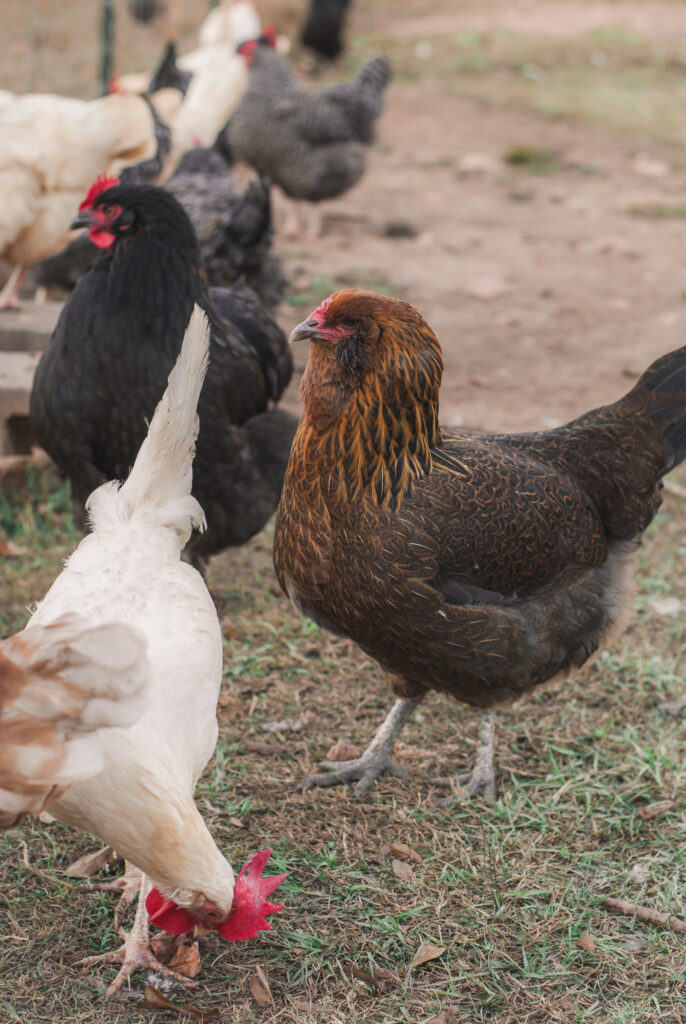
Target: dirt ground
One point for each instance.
(527, 192)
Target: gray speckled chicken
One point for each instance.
(312, 145)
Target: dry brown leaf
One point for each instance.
(587, 943)
(87, 865)
(657, 809)
(236, 822)
(255, 747)
(164, 946)
(229, 629)
(386, 980)
(259, 986)
(343, 750)
(156, 1000)
(186, 960)
(10, 550)
(402, 871)
(364, 976)
(446, 1017)
(403, 850)
(427, 951)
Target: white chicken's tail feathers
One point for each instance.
(158, 488)
(59, 684)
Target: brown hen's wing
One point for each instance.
(501, 523)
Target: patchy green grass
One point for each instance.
(659, 211)
(537, 159)
(507, 890)
(609, 77)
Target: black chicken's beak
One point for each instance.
(83, 219)
(308, 330)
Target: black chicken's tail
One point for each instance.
(665, 379)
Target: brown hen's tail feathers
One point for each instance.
(666, 380)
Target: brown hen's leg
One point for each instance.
(136, 950)
(376, 758)
(481, 779)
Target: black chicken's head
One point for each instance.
(113, 213)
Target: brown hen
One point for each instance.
(480, 566)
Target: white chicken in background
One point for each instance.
(129, 568)
(51, 148)
(59, 685)
(231, 21)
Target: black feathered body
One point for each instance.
(323, 25)
(105, 369)
(313, 145)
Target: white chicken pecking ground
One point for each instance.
(129, 569)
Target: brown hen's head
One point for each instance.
(369, 346)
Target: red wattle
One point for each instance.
(165, 914)
(103, 239)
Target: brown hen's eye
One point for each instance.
(109, 211)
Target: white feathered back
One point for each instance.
(158, 488)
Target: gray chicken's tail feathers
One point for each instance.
(158, 489)
(375, 73)
(666, 379)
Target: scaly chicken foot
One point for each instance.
(376, 758)
(129, 884)
(9, 296)
(481, 779)
(135, 952)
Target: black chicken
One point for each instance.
(312, 145)
(323, 25)
(480, 566)
(105, 369)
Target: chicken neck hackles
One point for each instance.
(477, 565)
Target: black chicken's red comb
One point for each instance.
(99, 185)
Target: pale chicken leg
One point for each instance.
(136, 951)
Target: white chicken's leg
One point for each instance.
(376, 758)
(481, 779)
(128, 884)
(292, 225)
(136, 950)
(9, 296)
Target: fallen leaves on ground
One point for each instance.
(186, 960)
(259, 986)
(446, 1017)
(587, 943)
(426, 952)
(402, 850)
(402, 870)
(343, 750)
(657, 809)
(156, 1000)
(87, 865)
(255, 747)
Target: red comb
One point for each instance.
(248, 913)
(98, 186)
(269, 34)
(250, 906)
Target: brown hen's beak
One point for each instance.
(308, 330)
(83, 219)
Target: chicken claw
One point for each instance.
(136, 951)
(481, 779)
(128, 884)
(366, 768)
(376, 758)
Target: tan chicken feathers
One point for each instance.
(59, 685)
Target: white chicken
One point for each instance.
(231, 21)
(60, 685)
(130, 568)
(51, 148)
